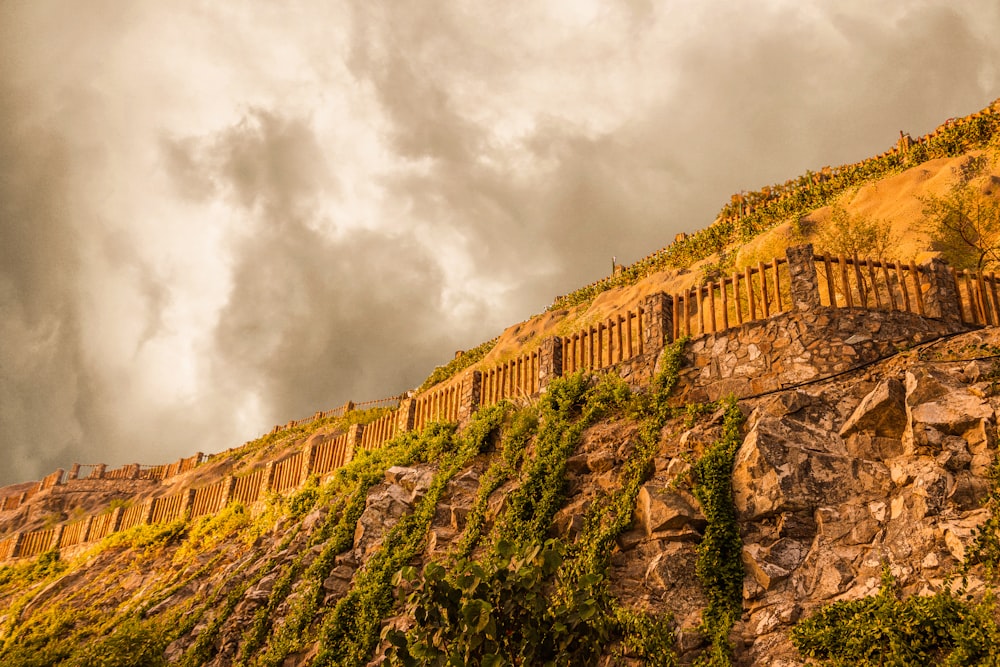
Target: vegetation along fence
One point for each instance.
(801, 280)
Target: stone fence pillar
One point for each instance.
(550, 362)
(15, 549)
(57, 536)
(407, 411)
(98, 472)
(354, 434)
(802, 271)
(227, 491)
(87, 524)
(187, 499)
(657, 322)
(468, 402)
(268, 480)
(941, 298)
(74, 472)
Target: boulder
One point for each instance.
(658, 509)
(938, 405)
(882, 412)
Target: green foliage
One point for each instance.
(856, 235)
(569, 405)
(145, 538)
(28, 572)
(209, 530)
(499, 614)
(304, 500)
(719, 565)
(964, 223)
(351, 630)
(884, 629)
(132, 643)
(503, 468)
(525, 602)
(458, 364)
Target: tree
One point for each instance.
(860, 235)
(964, 223)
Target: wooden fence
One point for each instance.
(850, 282)
(380, 430)
(437, 404)
(331, 454)
(978, 302)
(517, 377)
(758, 293)
(612, 341)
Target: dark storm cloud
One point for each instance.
(528, 143)
(41, 368)
(313, 318)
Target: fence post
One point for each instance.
(802, 276)
(147, 515)
(468, 402)
(308, 461)
(407, 412)
(550, 362)
(354, 434)
(74, 471)
(116, 519)
(657, 322)
(57, 536)
(15, 550)
(227, 493)
(133, 471)
(268, 481)
(85, 533)
(186, 500)
(941, 298)
(98, 472)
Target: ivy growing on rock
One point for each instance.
(719, 565)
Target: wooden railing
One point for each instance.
(978, 302)
(517, 377)
(758, 293)
(850, 282)
(380, 430)
(609, 342)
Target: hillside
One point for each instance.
(765, 456)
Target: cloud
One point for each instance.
(313, 317)
(214, 219)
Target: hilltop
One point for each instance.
(742, 449)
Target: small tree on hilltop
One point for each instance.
(860, 235)
(964, 223)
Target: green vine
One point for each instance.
(350, 632)
(719, 565)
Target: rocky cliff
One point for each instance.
(884, 473)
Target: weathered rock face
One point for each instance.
(889, 465)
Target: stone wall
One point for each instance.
(796, 347)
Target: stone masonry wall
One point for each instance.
(796, 347)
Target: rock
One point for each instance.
(765, 573)
(938, 406)
(383, 508)
(969, 492)
(882, 412)
(786, 466)
(658, 510)
(671, 567)
(415, 481)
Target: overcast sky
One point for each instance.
(218, 216)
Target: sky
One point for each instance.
(217, 217)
